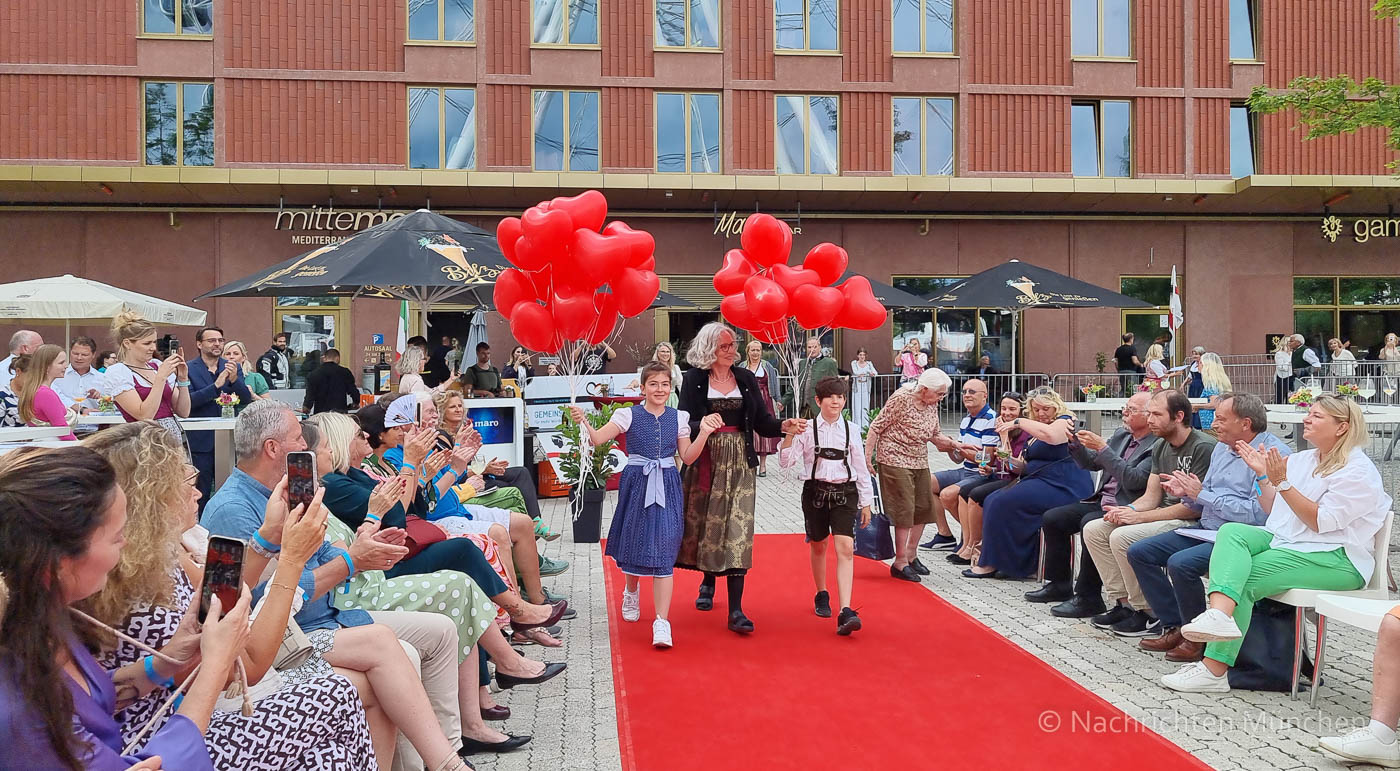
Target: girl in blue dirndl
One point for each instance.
(645, 535)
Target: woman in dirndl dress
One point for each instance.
(719, 486)
(767, 376)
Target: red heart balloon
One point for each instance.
(737, 269)
(605, 304)
(512, 287)
(648, 264)
(766, 239)
(790, 279)
(829, 261)
(531, 254)
(766, 299)
(573, 316)
(735, 310)
(860, 310)
(816, 306)
(507, 231)
(643, 245)
(588, 209)
(533, 327)
(553, 226)
(598, 257)
(776, 334)
(636, 291)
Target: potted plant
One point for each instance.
(592, 477)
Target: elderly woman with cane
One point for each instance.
(719, 487)
(898, 441)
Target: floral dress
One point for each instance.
(315, 721)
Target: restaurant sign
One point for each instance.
(732, 224)
(1362, 229)
(343, 221)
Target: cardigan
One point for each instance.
(695, 384)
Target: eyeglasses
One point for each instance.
(1014, 395)
(192, 477)
(971, 392)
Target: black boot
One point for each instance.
(738, 622)
(706, 599)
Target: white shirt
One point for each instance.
(1283, 363)
(1343, 363)
(73, 387)
(5, 375)
(119, 378)
(832, 435)
(1351, 505)
(623, 420)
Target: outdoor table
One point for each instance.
(101, 419)
(223, 442)
(26, 433)
(11, 446)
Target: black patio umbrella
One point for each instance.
(1016, 286)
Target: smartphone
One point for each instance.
(301, 478)
(174, 345)
(223, 574)
(418, 413)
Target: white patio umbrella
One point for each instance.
(83, 301)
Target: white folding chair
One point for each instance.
(1355, 611)
(1302, 599)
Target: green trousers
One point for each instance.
(1245, 569)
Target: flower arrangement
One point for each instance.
(1350, 390)
(106, 405)
(227, 401)
(1148, 386)
(1303, 398)
(1091, 392)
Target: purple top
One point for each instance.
(178, 742)
(121, 378)
(49, 410)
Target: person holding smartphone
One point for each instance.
(143, 387)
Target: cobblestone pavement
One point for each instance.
(574, 722)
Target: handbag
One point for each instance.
(875, 541)
(1265, 660)
(421, 534)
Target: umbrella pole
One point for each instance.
(1014, 316)
(67, 334)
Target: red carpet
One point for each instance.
(796, 696)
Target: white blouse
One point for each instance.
(1351, 505)
(121, 378)
(623, 420)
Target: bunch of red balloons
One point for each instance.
(761, 292)
(573, 277)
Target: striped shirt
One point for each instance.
(979, 429)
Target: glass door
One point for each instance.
(313, 325)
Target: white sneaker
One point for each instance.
(1196, 678)
(631, 605)
(661, 633)
(1211, 626)
(1363, 746)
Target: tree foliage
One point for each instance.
(1339, 104)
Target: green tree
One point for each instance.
(161, 123)
(1338, 104)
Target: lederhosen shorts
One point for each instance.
(829, 508)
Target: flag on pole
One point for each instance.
(1175, 318)
(401, 344)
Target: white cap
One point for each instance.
(934, 377)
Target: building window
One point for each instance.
(442, 21)
(1242, 23)
(313, 325)
(1148, 325)
(807, 135)
(1355, 309)
(566, 130)
(805, 25)
(1101, 139)
(179, 124)
(923, 135)
(687, 133)
(177, 17)
(687, 23)
(441, 128)
(923, 26)
(955, 339)
(565, 22)
(1101, 28)
(1241, 141)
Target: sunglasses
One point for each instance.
(1014, 395)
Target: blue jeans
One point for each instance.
(1169, 569)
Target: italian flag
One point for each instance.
(402, 342)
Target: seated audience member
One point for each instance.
(481, 378)
(1169, 566)
(1125, 460)
(1180, 448)
(61, 534)
(1012, 515)
(314, 718)
(1325, 506)
(22, 342)
(81, 384)
(993, 476)
(977, 433)
(1375, 743)
(39, 404)
(9, 405)
(351, 639)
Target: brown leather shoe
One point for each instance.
(1170, 638)
(1187, 652)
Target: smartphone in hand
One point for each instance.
(223, 574)
(301, 478)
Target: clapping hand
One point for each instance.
(497, 467)
(1182, 484)
(469, 439)
(435, 462)
(1276, 466)
(711, 423)
(376, 551)
(1255, 459)
(385, 495)
(418, 444)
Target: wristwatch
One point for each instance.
(1284, 485)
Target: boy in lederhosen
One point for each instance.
(837, 482)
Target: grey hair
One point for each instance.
(1250, 407)
(932, 378)
(1301, 340)
(258, 422)
(22, 338)
(701, 352)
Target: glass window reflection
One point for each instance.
(908, 136)
(670, 133)
(1084, 140)
(549, 130)
(1117, 139)
(1241, 142)
(197, 115)
(583, 131)
(423, 145)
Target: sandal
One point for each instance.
(536, 636)
(543, 532)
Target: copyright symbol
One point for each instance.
(1049, 721)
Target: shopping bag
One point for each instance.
(1265, 660)
(874, 540)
